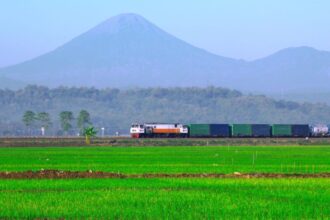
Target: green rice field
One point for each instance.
(167, 198)
(247, 159)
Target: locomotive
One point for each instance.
(159, 130)
(179, 130)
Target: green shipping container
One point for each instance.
(199, 130)
(241, 130)
(280, 130)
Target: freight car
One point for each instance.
(162, 130)
(209, 130)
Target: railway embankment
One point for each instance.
(130, 142)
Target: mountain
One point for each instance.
(124, 51)
(129, 51)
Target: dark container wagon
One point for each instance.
(261, 130)
(220, 130)
(300, 131)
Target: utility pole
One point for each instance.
(102, 132)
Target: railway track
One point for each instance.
(127, 141)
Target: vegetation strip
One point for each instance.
(58, 174)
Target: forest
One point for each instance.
(115, 109)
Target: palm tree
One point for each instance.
(89, 132)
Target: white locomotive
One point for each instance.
(149, 130)
(319, 130)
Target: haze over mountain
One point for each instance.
(129, 51)
(10, 83)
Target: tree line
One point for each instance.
(116, 109)
(43, 121)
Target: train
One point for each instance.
(179, 130)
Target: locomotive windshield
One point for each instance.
(137, 126)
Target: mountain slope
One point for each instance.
(292, 69)
(6, 83)
(124, 51)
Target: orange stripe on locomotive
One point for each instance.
(166, 130)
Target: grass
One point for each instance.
(186, 198)
(245, 159)
(166, 198)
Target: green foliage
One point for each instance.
(83, 119)
(116, 109)
(66, 118)
(90, 131)
(29, 118)
(44, 119)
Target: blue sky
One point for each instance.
(239, 29)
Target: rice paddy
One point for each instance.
(167, 197)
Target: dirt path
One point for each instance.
(57, 174)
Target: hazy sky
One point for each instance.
(244, 29)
